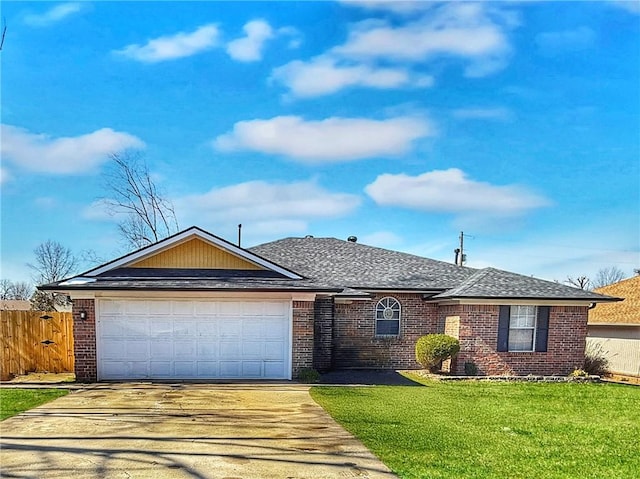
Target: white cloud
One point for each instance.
(249, 48)
(323, 75)
(170, 47)
(450, 191)
(471, 31)
(631, 6)
(53, 15)
(65, 155)
(4, 176)
(331, 140)
(266, 207)
(497, 113)
(577, 39)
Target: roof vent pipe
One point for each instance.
(457, 257)
(352, 239)
(239, 235)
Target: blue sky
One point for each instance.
(399, 123)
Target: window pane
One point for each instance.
(520, 339)
(385, 327)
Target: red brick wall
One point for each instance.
(302, 354)
(479, 337)
(355, 343)
(84, 341)
(323, 333)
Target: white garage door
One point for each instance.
(162, 339)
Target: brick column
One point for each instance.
(302, 336)
(84, 341)
(323, 334)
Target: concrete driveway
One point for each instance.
(183, 431)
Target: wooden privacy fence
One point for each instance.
(33, 341)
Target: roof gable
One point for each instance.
(195, 253)
(193, 248)
(491, 283)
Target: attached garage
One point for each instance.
(193, 339)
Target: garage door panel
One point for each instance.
(158, 308)
(251, 369)
(112, 327)
(230, 350)
(274, 369)
(161, 369)
(208, 369)
(252, 350)
(173, 339)
(206, 308)
(111, 307)
(161, 349)
(207, 328)
(274, 328)
(186, 369)
(135, 327)
(252, 328)
(230, 329)
(136, 350)
(182, 308)
(274, 350)
(113, 349)
(184, 349)
(207, 350)
(136, 308)
(230, 369)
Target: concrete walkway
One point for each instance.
(156, 431)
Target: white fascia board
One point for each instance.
(185, 236)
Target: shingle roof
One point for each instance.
(495, 283)
(164, 279)
(625, 312)
(353, 265)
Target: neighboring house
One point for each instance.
(614, 329)
(194, 306)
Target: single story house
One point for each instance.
(194, 306)
(614, 329)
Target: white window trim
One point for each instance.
(376, 319)
(535, 330)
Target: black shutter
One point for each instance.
(503, 328)
(542, 328)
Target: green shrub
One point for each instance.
(432, 349)
(470, 368)
(595, 360)
(308, 375)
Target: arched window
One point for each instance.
(388, 317)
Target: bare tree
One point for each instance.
(22, 290)
(607, 276)
(148, 215)
(581, 282)
(53, 262)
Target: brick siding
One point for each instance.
(355, 343)
(303, 329)
(478, 335)
(323, 333)
(84, 341)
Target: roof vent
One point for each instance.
(309, 236)
(352, 239)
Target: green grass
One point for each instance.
(494, 430)
(15, 401)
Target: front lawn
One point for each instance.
(494, 430)
(15, 401)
